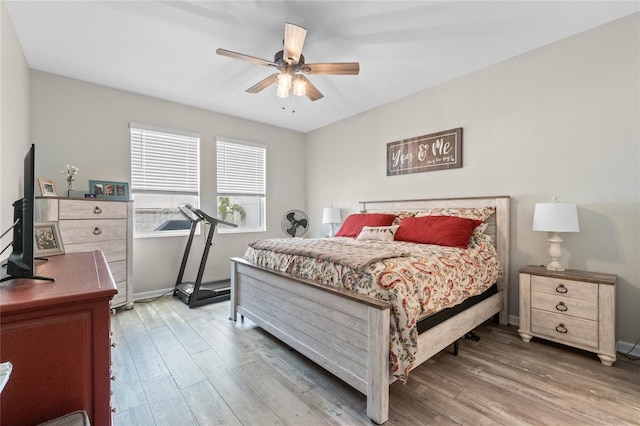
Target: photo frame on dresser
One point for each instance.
(47, 188)
(109, 190)
(47, 239)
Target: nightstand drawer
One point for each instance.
(585, 291)
(565, 329)
(561, 305)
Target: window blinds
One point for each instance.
(241, 168)
(163, 162)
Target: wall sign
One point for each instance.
(437, 151)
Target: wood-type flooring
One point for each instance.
(180, 366)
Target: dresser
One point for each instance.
(575, 308)
(57, 337)
(88, 224)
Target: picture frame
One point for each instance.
(109, 189)
(436, 151)
(47, 188)
(47, 239)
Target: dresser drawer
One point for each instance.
(587, 292)
(82, 209)
(121, 296)
(565, 329)
(561, 305)
(113, 250)
(87, 231)
(118, 270)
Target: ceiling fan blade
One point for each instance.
(244, 57)
(311, 91)
(293, 42)
(336, 68)
(263, 84)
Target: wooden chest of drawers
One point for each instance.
(576, 308)
(96, 224)
(56, 335)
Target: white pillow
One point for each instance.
(378, 233)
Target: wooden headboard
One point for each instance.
(497, 229)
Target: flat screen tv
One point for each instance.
(20, 262)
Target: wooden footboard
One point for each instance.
(343, 332)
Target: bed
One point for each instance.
(348, 333)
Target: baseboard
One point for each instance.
(514, 320)
(151, 294)
(624, 347)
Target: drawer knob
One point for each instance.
(562, 307)
(113, 376)
(560, 328)
(114, 344)
(97, 231)
(97, 210)
(561, 289)
(113, 409)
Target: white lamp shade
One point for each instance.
(556, 217)
(331, 215)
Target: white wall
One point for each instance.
(562, 120)
(14, 120)
(86, 125)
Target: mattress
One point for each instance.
(418, 279)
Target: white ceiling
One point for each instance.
(167, 49)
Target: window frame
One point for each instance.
(262, 196)
(190, 190)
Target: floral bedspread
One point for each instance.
(432, 278)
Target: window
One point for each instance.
(241, 185)
(164, 173)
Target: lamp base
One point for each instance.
(555, 252)
(555, 266)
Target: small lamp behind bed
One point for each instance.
(554, 218)
(331, 215)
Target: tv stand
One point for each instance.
(34, 277)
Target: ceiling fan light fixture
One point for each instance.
(290, 63)
(282, 91)
(284, 81)
(299, 87)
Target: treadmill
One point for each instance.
(198, 293)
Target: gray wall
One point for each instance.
(74, 122)
(14, 120)
(562, 120)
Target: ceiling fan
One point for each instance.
(291, 66)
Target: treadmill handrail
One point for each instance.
(202, 216)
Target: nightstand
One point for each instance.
(575, 308)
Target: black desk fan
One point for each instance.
(197, 293)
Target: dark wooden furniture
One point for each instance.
(56, 335)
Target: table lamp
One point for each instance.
(555, 218)
(331, 215)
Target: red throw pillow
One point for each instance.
(353, 223)
(447, 231)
